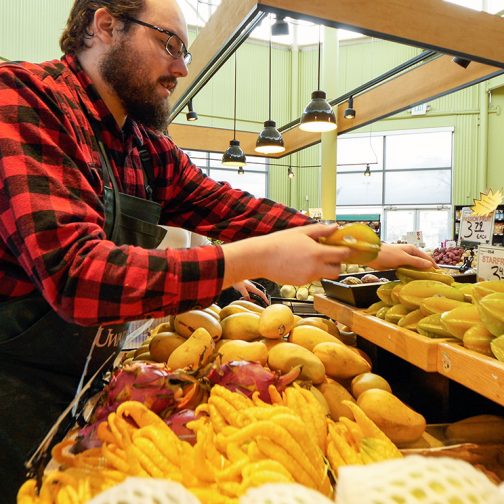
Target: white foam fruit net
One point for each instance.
(283, 493)
(146, 491)
(416, 479)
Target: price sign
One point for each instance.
(490, 263)
(476, 228)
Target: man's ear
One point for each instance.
(105, 25)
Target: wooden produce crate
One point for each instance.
(484, 375)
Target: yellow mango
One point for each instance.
(366, 381)
(231, 310)
(236, 350)
(313, 321)
(334, 394)
(163, 344)
(340, 361)
(332, 326)
(248, 304)
(460, 319)
(186, 323)
(194, 352)
(166, 326)
(275, 321)
(241, 326)
(310, 336)
(286, 356)
(477, 429)
(396, 419)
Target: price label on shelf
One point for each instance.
(490, 263)
(476, 228)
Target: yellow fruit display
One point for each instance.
(438, 304)
(241, 326)
(396, 313)
(194, 352)
(309, 336)
(334, 393)
(313, 321)
(397, 420)
(366, 381)
(409, 274)
(384, 292)
(361, 239)
(431, 327)
(477, 429)
(482, 289)
(340, 361)
(285, 356)
(186, 323)
(163, 344)
(478, 338)
(460, 319)
(275, 321)
(491, 310)
(411, 319)
(247, 304)
(413, 293)
(231, 310)
(252, 351)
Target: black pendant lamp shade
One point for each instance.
(367, 171)
(191, 114)
(318, 116)
(234, 155)
(270, 140)
(349, 111)
(280, 26)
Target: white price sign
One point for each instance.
(490, 263)
(476, 228)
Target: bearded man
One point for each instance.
(86, 174)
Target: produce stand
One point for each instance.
(448, 358)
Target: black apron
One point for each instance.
(43, 358)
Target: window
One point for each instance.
(254, 180)
(407, 168)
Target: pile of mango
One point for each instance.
(434, 305)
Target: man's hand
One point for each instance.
(393, 256)
(290, 256)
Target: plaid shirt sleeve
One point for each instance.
(52, 218)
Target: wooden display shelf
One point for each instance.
(484, 375)
(408, 345)
(340, 312)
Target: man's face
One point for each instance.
(141, 73)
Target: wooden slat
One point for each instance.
(340, 312)
(475, 371)
(431, 24)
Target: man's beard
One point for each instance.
(122, 69)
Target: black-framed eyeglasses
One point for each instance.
(174, 46)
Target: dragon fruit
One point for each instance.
(247, 377)
(178, 424)
(151, 384)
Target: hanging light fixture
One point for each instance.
(234, 155)
(350, 111)
(318, 116)
(367, 171)
(280, 26)
(463, 62)
(270, 140)
(290, 173)
(241, 171)
(191, 114)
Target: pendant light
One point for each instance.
(191, 114)
(290, 173)
(234, 155)
(318, 116)
(349, 111)
(270, 140)
(367, 171)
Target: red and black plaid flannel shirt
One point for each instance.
(51, 213)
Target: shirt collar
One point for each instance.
(97, 107)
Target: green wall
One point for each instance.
(30, 29)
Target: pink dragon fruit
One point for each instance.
(178, 424)
(151, 384)
(247, 377)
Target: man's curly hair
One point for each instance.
(77, 31)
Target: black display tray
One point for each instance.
(360, 295)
